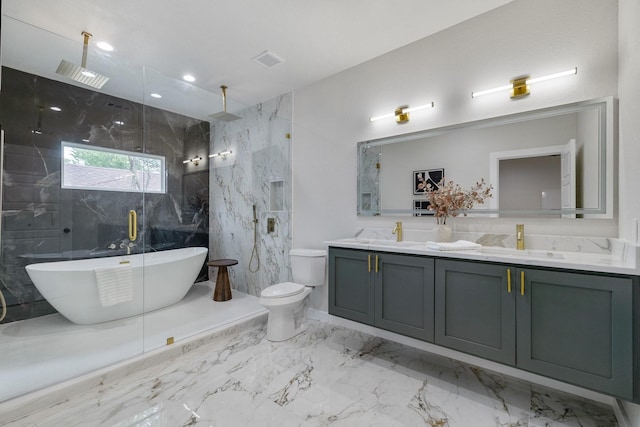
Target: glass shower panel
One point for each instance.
(177, 128)
(75, 171)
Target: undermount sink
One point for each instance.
(486, 250)
(380, 242)
(394, 243)
(525, 253)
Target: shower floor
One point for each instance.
(47, 350)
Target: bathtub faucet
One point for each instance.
(126, 243)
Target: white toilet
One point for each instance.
(286, 301)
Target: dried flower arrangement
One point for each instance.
(449, 199)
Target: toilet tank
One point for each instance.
(308, 266)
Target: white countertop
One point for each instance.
(619, 262)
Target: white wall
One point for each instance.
(522, 37)
(629, 106)
(629, 175)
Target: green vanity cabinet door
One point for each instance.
(475, 309)
(577, 328)
(404, 295)
(351, 290)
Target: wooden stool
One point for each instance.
(223, 286)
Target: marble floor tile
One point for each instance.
(46, 350)
(328, 375)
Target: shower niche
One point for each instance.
(276, 195)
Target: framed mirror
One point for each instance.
(555, 162)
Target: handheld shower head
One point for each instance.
(254, 251)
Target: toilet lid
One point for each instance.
(282, 290)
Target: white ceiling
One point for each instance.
(216, 40)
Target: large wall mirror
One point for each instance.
(554, 162)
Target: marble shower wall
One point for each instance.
(258, 172)
(42, 222)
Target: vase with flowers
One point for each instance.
(448, 199)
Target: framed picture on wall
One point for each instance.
(424, 177)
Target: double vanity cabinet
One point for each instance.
(569, 325)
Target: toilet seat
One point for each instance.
(282, 290)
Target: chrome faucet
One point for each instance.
(520, 236)
(398, 231)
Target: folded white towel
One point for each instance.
(115, 284)
(458, 245)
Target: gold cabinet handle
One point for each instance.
(509, 280)
(133, 225)
(522, 283)
(376, 263)
(369, 263)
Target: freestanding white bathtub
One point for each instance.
(158, 279)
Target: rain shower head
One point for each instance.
(80, 73)
(223, 115)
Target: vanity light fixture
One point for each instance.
(222, 153)
(520, 85)
(402, 113)
(196, 160)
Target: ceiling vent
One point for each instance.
(268, 59)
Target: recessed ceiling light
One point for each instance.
(156, 95)
(55, 108)
(105, 46)
(189, 78)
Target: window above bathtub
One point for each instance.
(96, 168)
